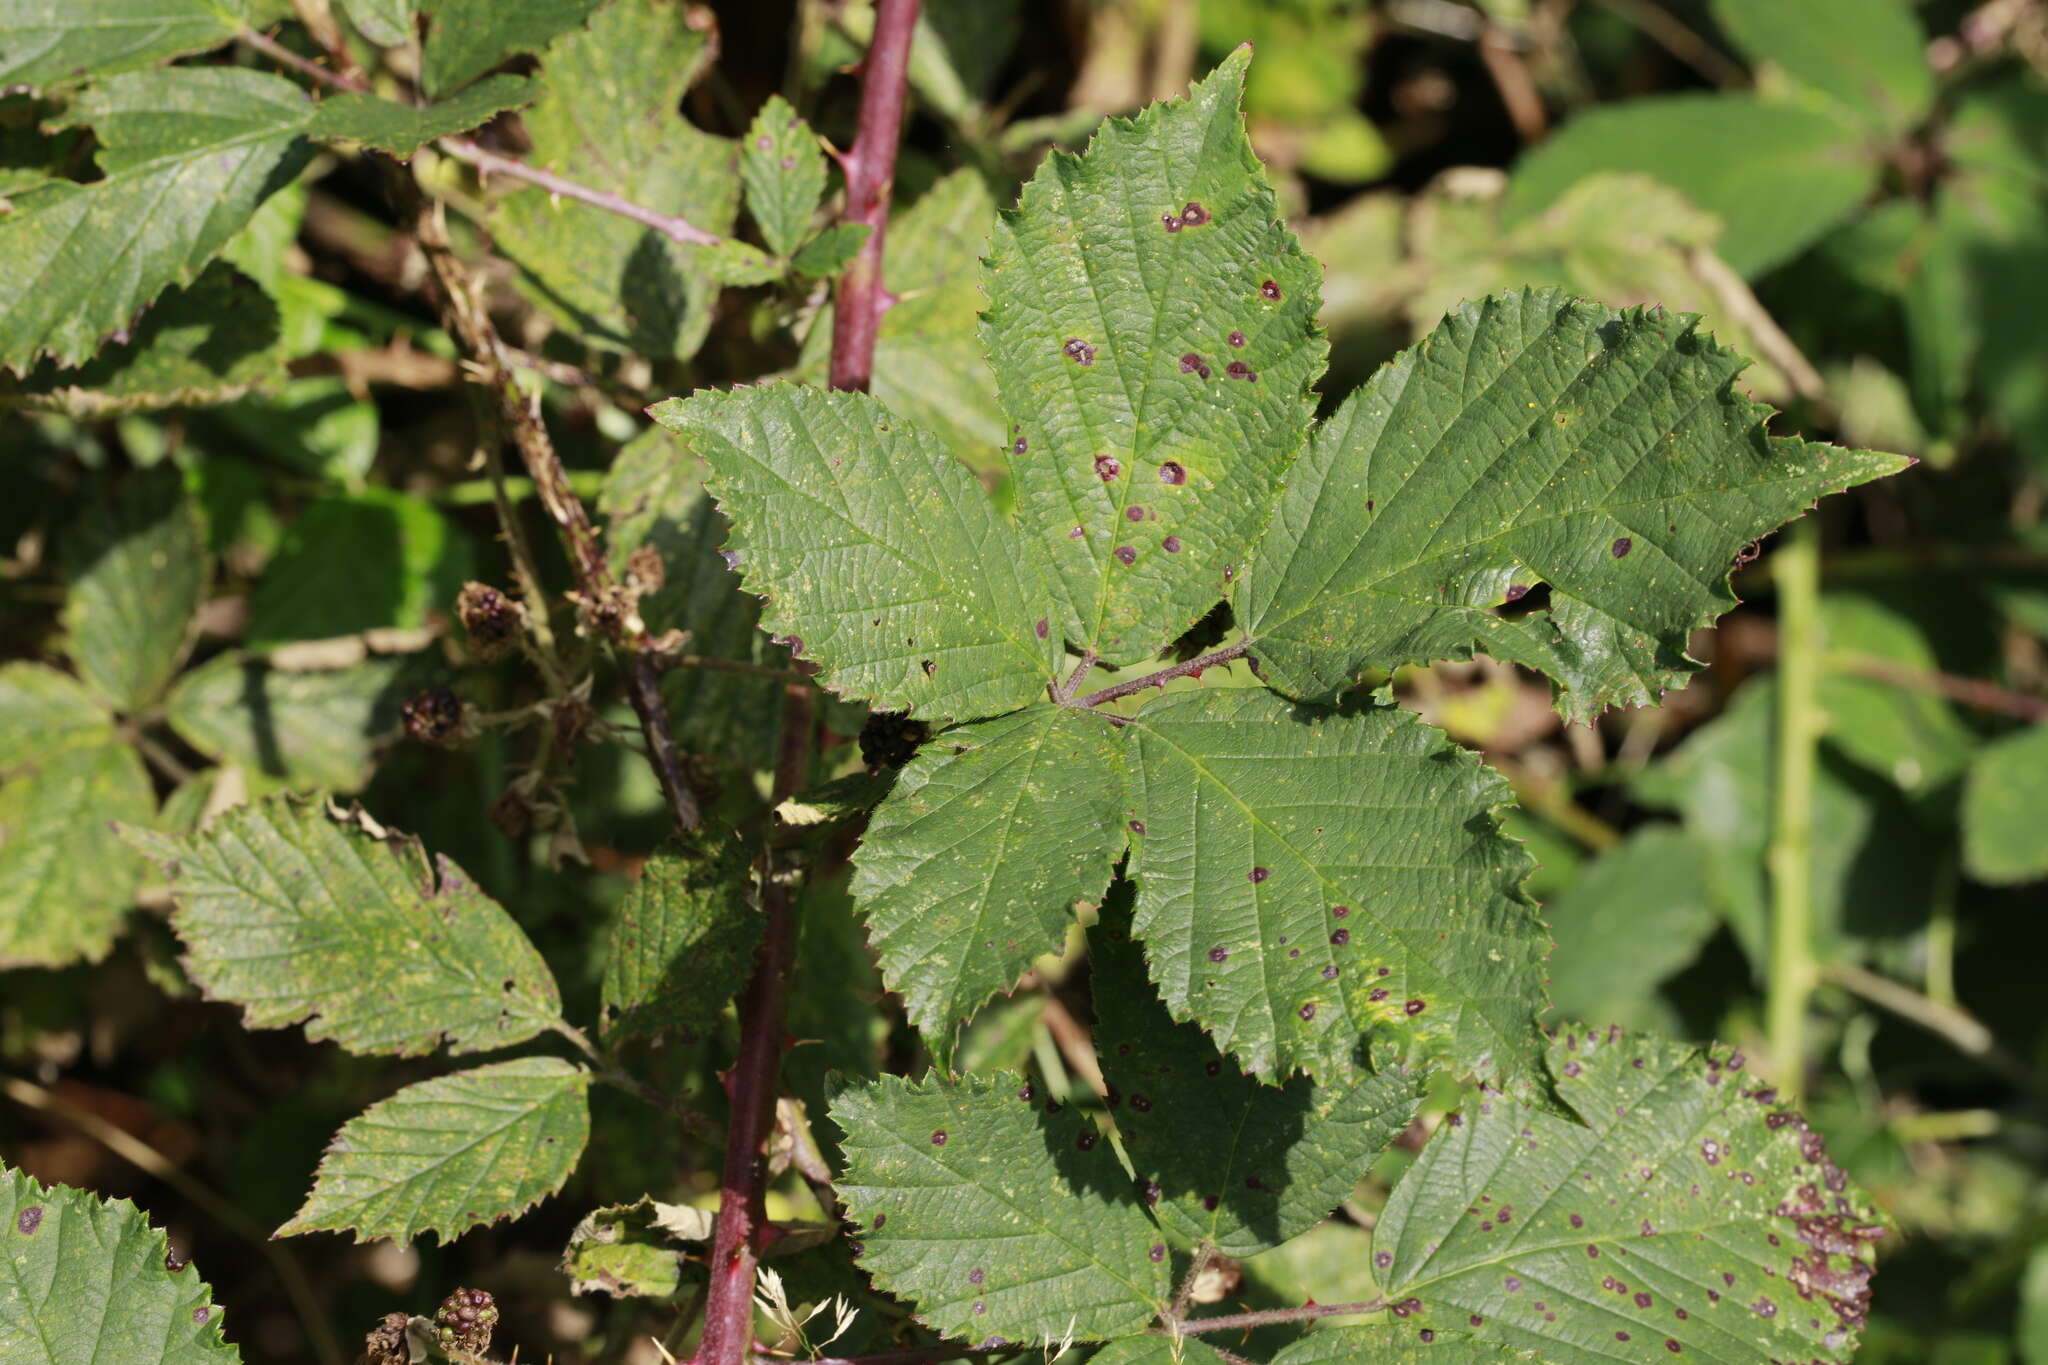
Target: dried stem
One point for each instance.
(1166, 675)
(870, 176)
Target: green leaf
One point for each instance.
(880, 557)
(1681, 1190)
(1869, 56)
(452, 1153)
(65, 881)
(387, 23)
(654, 495)
(1531, 439)
(2004, 842)
(137, 566)
(188, 155)
(972, 864)
(303, 915)
(1141, 482)
(313, 424)
(358, 562)
(1634, 916)
(49, 42)
(826, 254)
(607, 118)
(996, 1220)
(466, 38)
(43, 713)
(1391, 1344)
(683, 940)
(306, 730)
(735, 263)
(783, 169)
(1224, 1160)
(1778, 176)
(1278, 843)
(88, 1284)
(628, 1250)
(206, 342)
(400, 129)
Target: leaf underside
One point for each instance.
(299, 915)
(451, 1153)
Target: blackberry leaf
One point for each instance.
(683, 940)
(1152, 329)
(1531, 438)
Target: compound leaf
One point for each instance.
(1223, 1159)
(43, 713)
(89, 1281)
(683, 940)
(65, 880)
(1151, 325)
(877, 554)
(1275, 844)
(994, 1217)
(299, 915)
(137, 565)
(783, 169)
(1531, 439)
(1777, 175)
(973, 862)
(607, 117)
(449, 1154)
(1684, 1214)
(45, 42)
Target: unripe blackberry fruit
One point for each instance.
(492, 620)
(432, 717)
(890, 738)
(464, 1321)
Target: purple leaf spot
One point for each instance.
(939, 1138)
(29, 1219)
(1107, 467)
(1270, 290)
(1194, 215)
(1126, 556)
(1172, 473)
(1219, 954)
(1171, 545)
(1237, 340)
(1620, 548)
(1414, 1007)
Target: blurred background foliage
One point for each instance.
(230, 554)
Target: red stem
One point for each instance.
(1166, 675)
(870, 175)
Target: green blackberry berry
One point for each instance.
(464, 1321)
(890, 738)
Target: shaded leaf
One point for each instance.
(1223, 1159)
(466, 38)
(826, 255)
(304, 730)
(1777, 175)
(45, 42)
(783, 169)
(993, 1218)
(1868, 56)
(1635, 915)
(301, 915)
(43, 713)
(87, 1284)
(356, 562)
(65, 881)
(971, 865)
(1101, 319)
(683, 940)
(206, 342)
(400, 129)
(607, 118)
(1685, 1207)
(654, 495)
(449, 1154)
(1280, 842)
(2004, 839)
(137, 565)
(880, 557)
(1531, 439)
(387, 23)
